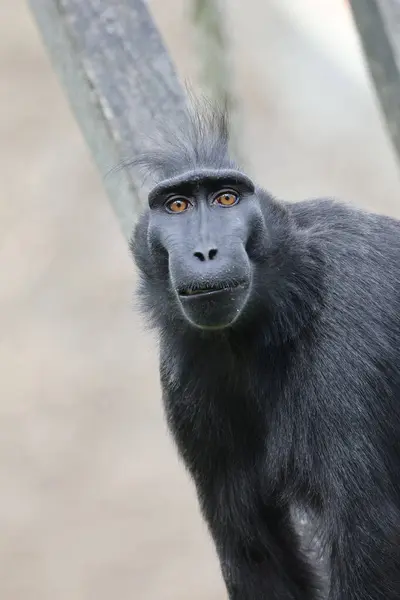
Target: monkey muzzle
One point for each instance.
(213, 306)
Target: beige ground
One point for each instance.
(94, 504)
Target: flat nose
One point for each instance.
(209, 254)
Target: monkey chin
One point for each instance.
(215, 310)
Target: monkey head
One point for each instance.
(214, 251)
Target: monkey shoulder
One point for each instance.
(331, 215)
(361, 254)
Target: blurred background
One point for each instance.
(94, 503)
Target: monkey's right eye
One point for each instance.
(177, 205)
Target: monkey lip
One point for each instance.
(208, 292)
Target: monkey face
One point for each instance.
(201, 225)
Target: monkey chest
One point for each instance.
(238, 453)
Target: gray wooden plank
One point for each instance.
(119, 80)
(378, 25)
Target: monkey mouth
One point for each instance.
(211, 290)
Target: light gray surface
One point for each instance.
(94, 504)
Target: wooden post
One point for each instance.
(378, 24)
(119, 80)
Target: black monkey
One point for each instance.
(279, 331)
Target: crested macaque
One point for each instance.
(279, 340)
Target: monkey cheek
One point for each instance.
(218, 311)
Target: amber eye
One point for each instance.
(177, 205)
(226, 199)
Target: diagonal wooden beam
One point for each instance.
(378, 25)
(119, 80)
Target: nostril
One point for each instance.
(211, 254)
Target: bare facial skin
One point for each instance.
(204, 225)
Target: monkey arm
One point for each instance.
(258, 548)
(266, 563)
(365, 551)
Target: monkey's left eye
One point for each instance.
(227, 198)
(177, 205)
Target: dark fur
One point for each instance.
(299, 401)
